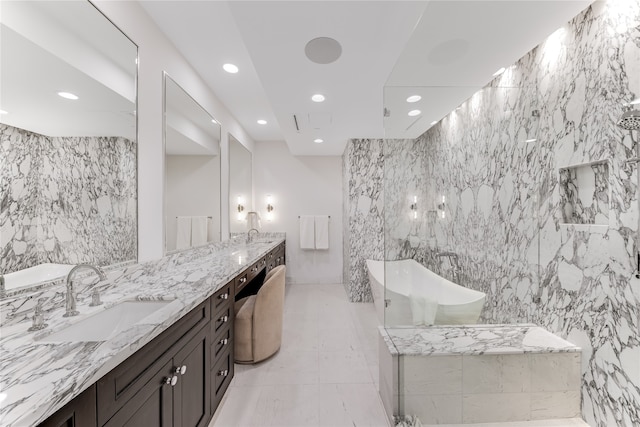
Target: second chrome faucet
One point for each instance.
(70, 297)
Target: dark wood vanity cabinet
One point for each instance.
(81, 411)
(276, 257)
(179, 378)
(166, 383)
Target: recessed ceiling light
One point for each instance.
(68, 95)
(434, 122)
(318, 141)
(230, 68)
(262, 122)
(413, 113)
(414, 98)
(3, 112)
(317, 97)
(500, 71)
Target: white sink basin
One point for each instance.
(106, 324)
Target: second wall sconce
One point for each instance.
(269, 207)
(441, 207)
(414, 207)
(240, 207)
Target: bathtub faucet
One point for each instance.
(453, 260)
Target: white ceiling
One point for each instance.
(451, 51)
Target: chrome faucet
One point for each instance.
(249, 239)
(70, 297)
(3, 290)
(453, 260)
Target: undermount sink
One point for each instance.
(107, 323)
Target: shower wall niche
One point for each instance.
(585, 194)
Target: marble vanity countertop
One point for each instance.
(37, 377)
(474, 340)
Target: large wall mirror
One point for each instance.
(192, 171)
(240, 185)
(68, 153)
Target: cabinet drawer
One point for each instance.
(223, 319)
(221, 376)
(125, 380)
(221, 297)
(241, 281)
(221, 343)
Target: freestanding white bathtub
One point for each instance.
(37, 274)
(419, 296)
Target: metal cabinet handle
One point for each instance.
(224, 341)
(224, 319)
(172, 380)
(244, 279)
(224, 296)
(180, 369)
(223, 373)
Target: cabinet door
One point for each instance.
(151, 406)
(81, 411)
(192, 392)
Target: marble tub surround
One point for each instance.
(85, 211)
(476, 340)
(483, 373)
(39, 377)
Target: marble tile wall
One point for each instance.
(363, 213)
(497, 162)
(66, 199)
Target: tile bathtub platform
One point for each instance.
(478, 374)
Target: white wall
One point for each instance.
(155, 55)
(192, 189)
(301, 186)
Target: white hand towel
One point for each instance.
(322, 231)
(183, 230)
(307, 232)
(198, 230)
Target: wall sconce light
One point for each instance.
(414, 207)
(269, 207)
(441, 207)
(240, 207)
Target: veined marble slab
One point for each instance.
(38, 378)
(474, 340)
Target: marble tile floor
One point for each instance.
(325, 374)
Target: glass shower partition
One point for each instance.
(461, 200)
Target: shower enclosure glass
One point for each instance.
(461, 202)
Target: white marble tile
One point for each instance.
(338, 367)
(495, 374)
(558, 404)
(350, 405)
(555, 372)
(496, 407)
(431, 375)
(434, 408)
